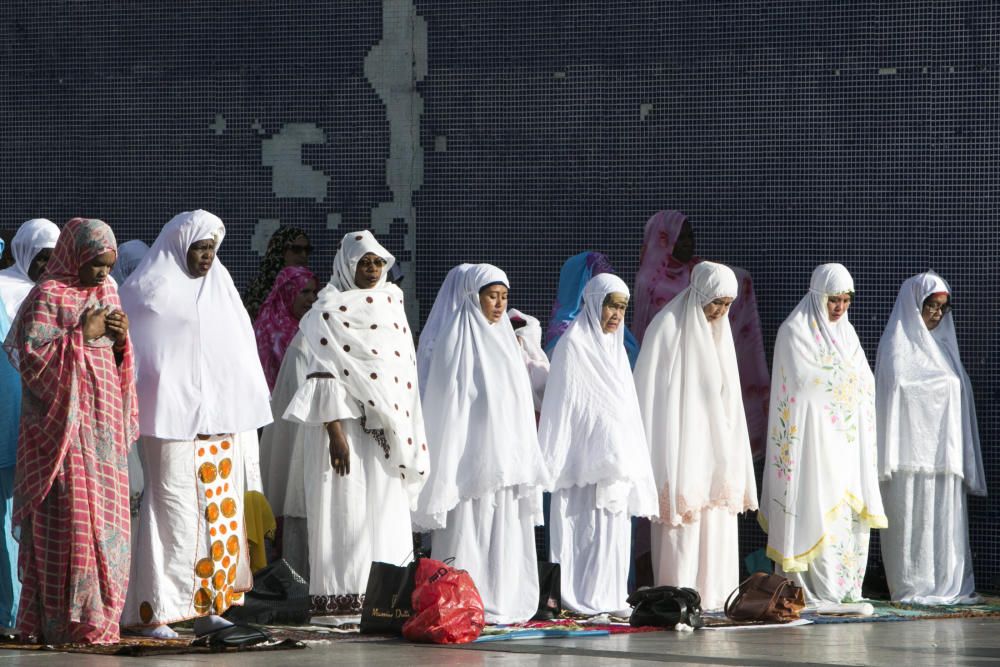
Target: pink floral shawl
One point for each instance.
(276, 325)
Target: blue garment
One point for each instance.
(10, 415)
(10, 404)
(10, 584)
(573, 277)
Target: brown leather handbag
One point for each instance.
(769, 598)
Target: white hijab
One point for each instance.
(821, 444)
(197, 366)
(31, 237)
(361, 337)
(477, 403)
(590, 429)
(689, 392)
(924, 402)
(536, 361)
(130, 254)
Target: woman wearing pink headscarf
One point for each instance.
(70, 345)
(277, 322)
(664, 271)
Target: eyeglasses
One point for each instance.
(931, 308)
(299, 248)
(366, 263)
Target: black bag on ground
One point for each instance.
(279, 596)
(388, 599)
(549, 592)
(665, 607)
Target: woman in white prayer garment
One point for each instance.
(353, 427)
(928, 445)
(202, 397)
(593, 441)
(484, 492)
(820, 496)
(31, 247)
(691, 401)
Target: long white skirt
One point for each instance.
(704, 555)
(352, 520)
(926, 546)
(190, 556)
(493, 539)
(836, 574)
(592, 547)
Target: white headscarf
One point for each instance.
(821, 444)
(353, 247)
(31, 237)
(477, 401)
(130, 254)
(689, 392)
(536, 361)
(198, 369)
(361, 337)
(590, 430)
(925, 407)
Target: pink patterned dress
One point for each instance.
(71, 496)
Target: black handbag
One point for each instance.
(549, 592)
(279, 596)
(665, 607)
(388, 602)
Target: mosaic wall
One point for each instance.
(520, 132)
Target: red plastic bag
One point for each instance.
(447, 608)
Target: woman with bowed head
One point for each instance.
(288, 246)
(202, 397)
(484, 492)
(692, 410)
(665, 267)
(593, 442)
(928, 445)
(820, 494)
(293, 294)
(71, 347)
(361, 455)
(31, 247)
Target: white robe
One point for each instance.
(929, 452)
(483, 494)
(591, 436)
(359, 340)
(688, 385)
(190, 554)
(820, 494)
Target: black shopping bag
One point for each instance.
(388, 596)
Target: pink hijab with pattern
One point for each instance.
(276, 324)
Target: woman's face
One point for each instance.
(200, 256)
(613, 312)
(493, 301)
(936, 306)
(368, 271)
(96, 270)
(37, 265)
(684, 247)
(297, 252)
(837, 305)
(304, 300)
(717, 308)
